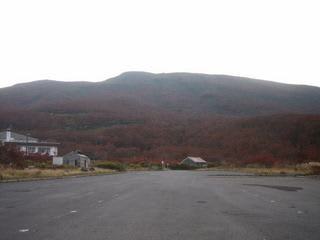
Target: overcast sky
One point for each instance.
(91, 40)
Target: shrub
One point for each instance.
(64, 166)
(134, 165)
(214, 164)
(315, 170)
(38, 158)
(144, 164)
(265, 160)
(182, 167)
(9, 156)
(42, 165)
(110, 165)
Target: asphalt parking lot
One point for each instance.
(162, 205)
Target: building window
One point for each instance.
(31, 149)
(44, 150)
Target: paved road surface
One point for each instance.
(169, 205)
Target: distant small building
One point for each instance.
(195, 162)
(76, 158)
(27, 144)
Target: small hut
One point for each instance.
(195, 162)
(76, 158)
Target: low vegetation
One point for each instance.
(15, 165)
(38, 173)
(297, 170)
(10, 157)
(182, 167)
(110, 165)
(315, 170)
(144, 166)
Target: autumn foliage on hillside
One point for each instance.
(145, 117)
(264, 140)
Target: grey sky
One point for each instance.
(91, 40)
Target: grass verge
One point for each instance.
(19, 174)
(266, 171)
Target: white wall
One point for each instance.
(57, 160)
(53, 150)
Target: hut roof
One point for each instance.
(197, 159)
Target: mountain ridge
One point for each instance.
(186, 92)
(139, 73)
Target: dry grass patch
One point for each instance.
(276, 171)
(12, 174)
(266, 171)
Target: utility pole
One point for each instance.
(27, 140)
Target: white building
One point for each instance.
(28, 144)
(195, 162)
(75, 158)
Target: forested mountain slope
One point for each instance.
(145, 116)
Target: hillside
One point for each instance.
(144, 116)
(182, 92)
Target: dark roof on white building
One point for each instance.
(75, 153)
(17, 137)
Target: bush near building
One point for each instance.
(12, 158)
(181, 167)
(111, 165)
